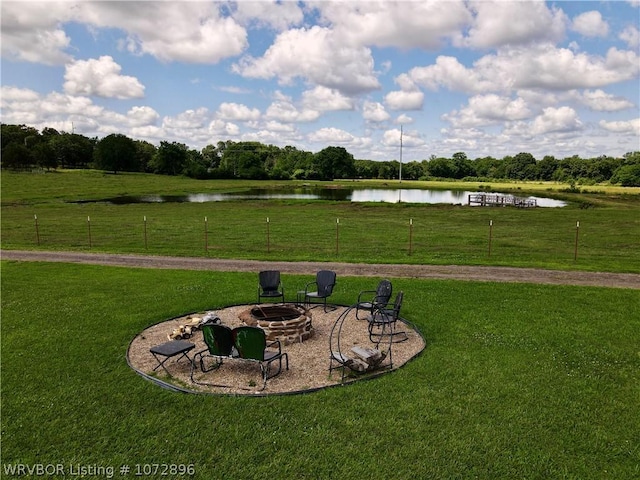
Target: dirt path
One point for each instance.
(454, 272)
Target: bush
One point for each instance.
(627, 176)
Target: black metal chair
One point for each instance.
(370, 300)
(320, 289)
(270, 285)
(382, 323)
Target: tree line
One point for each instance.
(25, 147)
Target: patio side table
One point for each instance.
(171, 349)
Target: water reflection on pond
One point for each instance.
(388, 195)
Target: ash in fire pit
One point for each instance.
(287, 323)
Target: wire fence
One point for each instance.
(398, 240)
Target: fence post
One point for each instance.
(490, 235)
(410, 235)
(89, 229)
(337, 234)
(35, 217)
(145, 232)
(206, 237)
(268, 241)
(575, 250)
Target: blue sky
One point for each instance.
(485, 78)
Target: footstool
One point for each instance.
(171, 349)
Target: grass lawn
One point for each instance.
(517, 381)
(37, 213)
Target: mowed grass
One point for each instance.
(517, 381)
(606, 239)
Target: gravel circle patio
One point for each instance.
(308, 360)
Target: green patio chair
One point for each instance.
(219, 341)
(251, 344)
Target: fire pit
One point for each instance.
(287, 323)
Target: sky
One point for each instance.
(386, 80)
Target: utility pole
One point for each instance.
(400, 153)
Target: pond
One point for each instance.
(387, 195)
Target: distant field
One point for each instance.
(36, 214)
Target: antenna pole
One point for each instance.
(400, 154)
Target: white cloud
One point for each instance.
(238, 112)
(499, 23)
(279, 127)
(142, 116)
(603, 102)
(56, 104)
(404, 24)
(553, 120)
(331, 135)
(282, 109)
(317, 56)
(187, 120)
(13, 95)
(491, 109)
(547, 67)
(31, 32)
(55, 110)
(374, 112)
(590, 24)
(234, 90)
(220, 128)
(631, 36)
(631, 127)
(192, 32)
(102, 78)
(391, 138)
(449, 73)
(404, 119)
(271, 14)
(404, 100)
(541, 67)
(326, 99)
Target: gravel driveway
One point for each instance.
(454, 272)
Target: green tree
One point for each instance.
(116, 152)
(15, 134)
(145, 152)
(412, 170)
(243, 160)
(170, 158)
(463, 167)
(211, 156)
(441, 168)
(546, 167)
(72, 150)
(627, 175)
(334, 162)
(44, 156)
(16, 156)
(486, 166)
(196, 166)
(521, 167)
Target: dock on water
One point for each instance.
(500, 200)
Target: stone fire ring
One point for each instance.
(287, 323)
